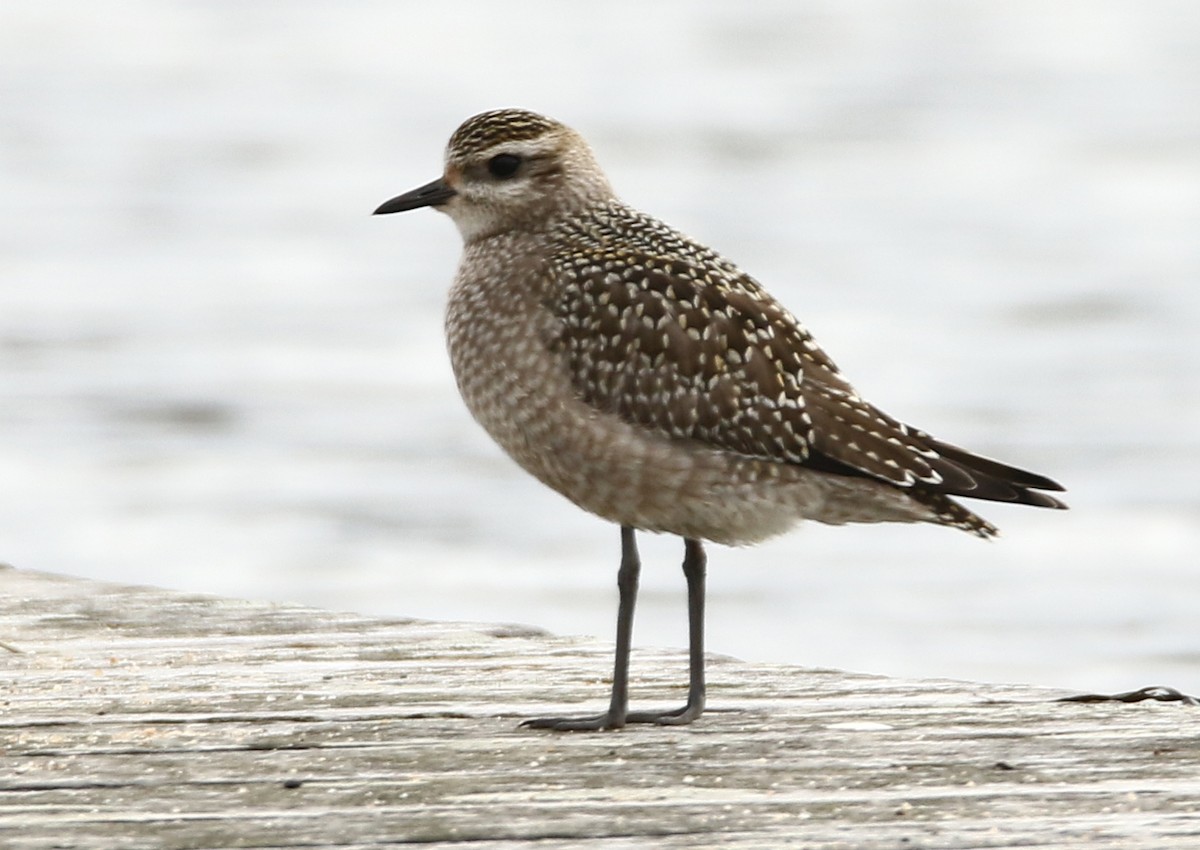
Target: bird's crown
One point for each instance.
(488, 129)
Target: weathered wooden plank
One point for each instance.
(136, 718)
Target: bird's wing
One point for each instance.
(699, 350)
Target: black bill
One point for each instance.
(430, 195)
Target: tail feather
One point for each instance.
(949, 512)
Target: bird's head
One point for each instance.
(509, 169)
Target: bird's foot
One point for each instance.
(608, 720)
(674, 717)
(594, 723)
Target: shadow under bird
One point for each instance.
(655, 384)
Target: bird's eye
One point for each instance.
(503, 165)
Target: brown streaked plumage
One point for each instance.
(652, 382)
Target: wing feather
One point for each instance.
(696, 349)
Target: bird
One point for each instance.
(657, 385)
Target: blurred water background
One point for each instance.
(219, 373)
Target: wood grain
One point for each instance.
(141, 718)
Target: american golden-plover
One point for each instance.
(654, 383)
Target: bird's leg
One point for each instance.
(627, 587)
(694, 568)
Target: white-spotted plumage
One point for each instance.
(650, 380)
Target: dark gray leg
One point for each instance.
(694, 569)
(627, 587)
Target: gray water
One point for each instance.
(219, 373)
